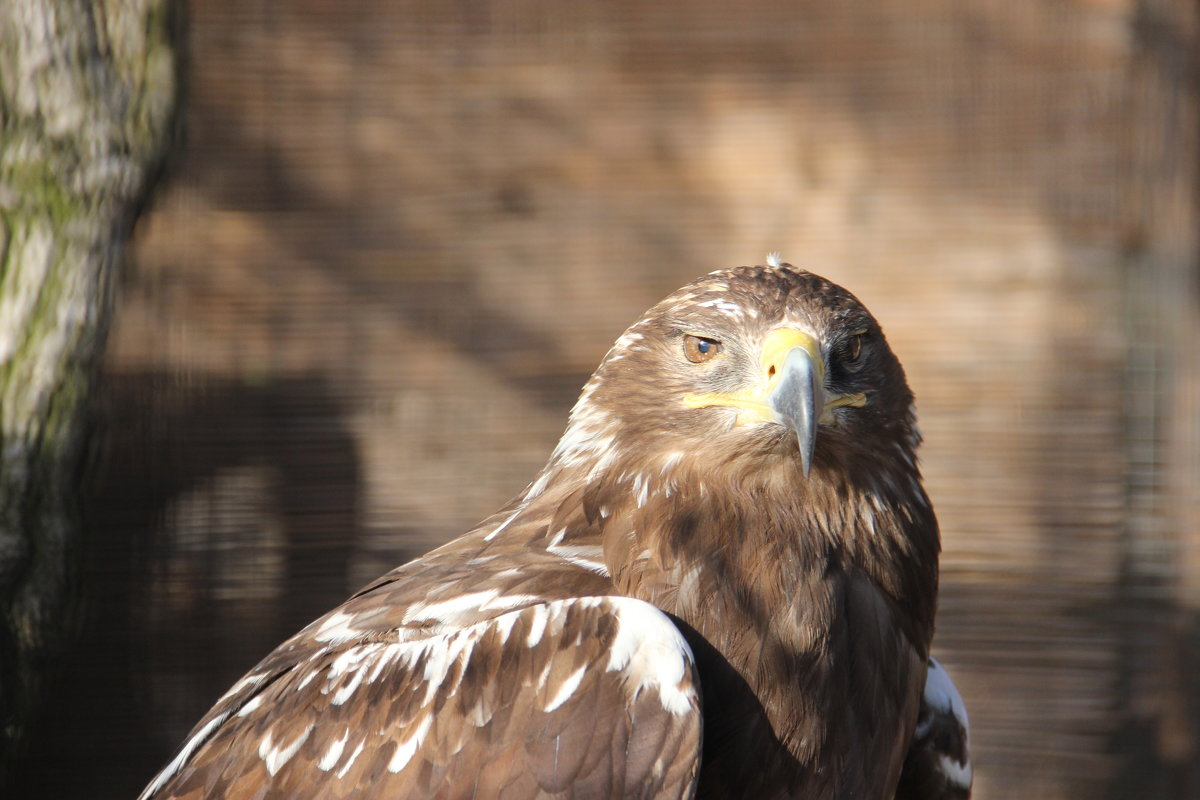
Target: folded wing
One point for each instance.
(585, 697)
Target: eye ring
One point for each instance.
(698, 349)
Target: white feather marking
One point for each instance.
(726, 307)
(341, 773)
(590, 557)
(670, 460)
(604, 462)
(505, 523)
(265, 745)
(404, 751)
(276, 757)
(509, 601)
(307, 679)
(592, 551)
(185, 753)
(868, 515)
(384, 658)
(253, 679)
(774, 259)
(504, 624)
(537, 625)
(442, 653)
(586, 433)
(480, 713)
(566, 690)
(249, 708)
(957, 774)
(334, 753)
(350, 659)
(336, 629)
(545, 676)
(446, 610)
(538, 486)
(343, 694)
(558, 537)
(652, 653)
(641, 488)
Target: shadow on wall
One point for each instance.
(221, 517)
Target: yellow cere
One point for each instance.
(754, 402)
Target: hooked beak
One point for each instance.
(790, 392)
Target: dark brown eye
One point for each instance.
(697, 349)
(850, 351)
(854, 348)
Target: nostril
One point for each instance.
(771, 372)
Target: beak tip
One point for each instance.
(805, 455)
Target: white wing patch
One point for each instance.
(647, 657)
(363, 664)
(647, 650)
(652, 653)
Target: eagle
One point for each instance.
(722, 584)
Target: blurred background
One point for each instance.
(397, 237)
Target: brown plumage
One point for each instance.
(730, 545)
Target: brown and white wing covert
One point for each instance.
(590, 697)
(938, 765)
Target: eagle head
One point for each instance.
(749, 362)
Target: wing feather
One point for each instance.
(583, 697)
